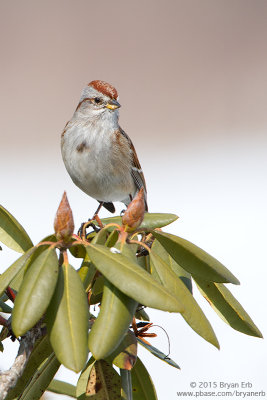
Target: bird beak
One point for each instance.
(113, 104)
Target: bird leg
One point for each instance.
(85, 225)
(96, 217)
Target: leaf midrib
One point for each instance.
(139, 271)
(67, 269)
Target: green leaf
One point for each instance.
(144, 262)
(95, 299)
(142, 315)
(177, 269)
(35, 292)
(87, 273)
(112, 239)
(101, 237)
(78, 251)
(60, 387)
(192, 313)
(41, 379)
(98, 285)
(125, 355)
(41, 351)
(157, 353)
(128, 250)
(16, 282)
(12, 234)
(131, 279)
(98, 381)
(67, 319)
(151, 220)
(5, 308)
(14, 269)
(227, 307)
(194, 260)
(126, 385)
(143, 387)
(157, 220)
(116, 312)
(81, 388)
(49, 238)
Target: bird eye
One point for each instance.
(97, 100)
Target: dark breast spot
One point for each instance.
(82, 147)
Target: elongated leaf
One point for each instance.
(82, 384)
(16, 282)
(124, 357)
(41, 351)
(36, 292)
(104, 381)
(143, 387)
(67, 319)
(95, 299)
(177, 269)
(99, 381)
(128, 250)
(12, 234)
(144, 262)
(132, 280)
(98, 285)
(78, 251)
(157, 220)
(87, 273)
(151, 220)
(142, 315)
(49, 238)
(112, 239)
(227, 307)
(126, 385)
(41, 379)
(101, 237)
(14, 269)
(60, 387)
(116, 312)
(195, 260)
(157, 353)
(192, 313)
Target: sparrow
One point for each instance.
(98, 155)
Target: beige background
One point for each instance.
(192, 79)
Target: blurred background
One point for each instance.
(192, 81)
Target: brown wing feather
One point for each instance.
(137, 172)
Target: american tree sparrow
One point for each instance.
(99, 156)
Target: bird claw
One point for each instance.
(95, 228)
(82, 230)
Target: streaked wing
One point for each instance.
(137, 172)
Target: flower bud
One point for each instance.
(135, 212)
(64, 224)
